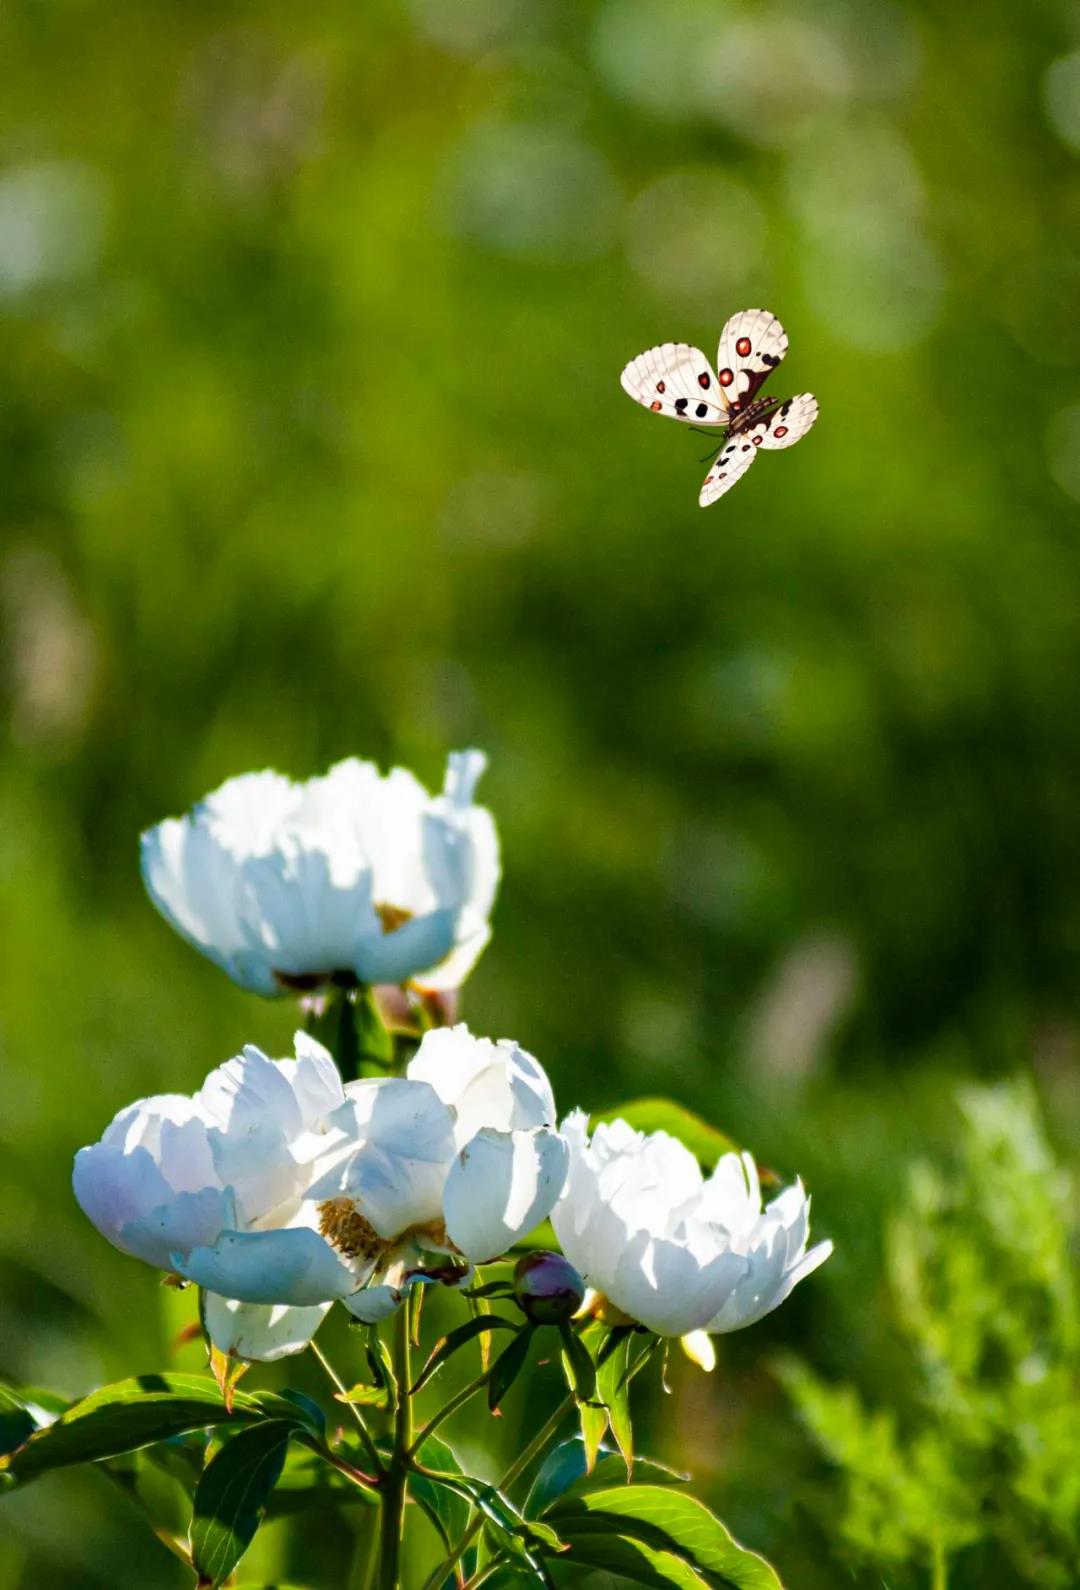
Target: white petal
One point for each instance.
(373, 1304)
(128, 1199)
(391, 1146)
(259, 1331)
(497, 1085)
(396, 957)
(502, 1184)
(668, 1288)
(293, 1266)
(314, 1079)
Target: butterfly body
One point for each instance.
(677, 380)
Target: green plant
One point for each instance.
(982, 1462)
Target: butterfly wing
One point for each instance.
(752, 344)
(731, 464)
(790, 422)
(677, 380)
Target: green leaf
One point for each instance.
(564, 1471)
(634, 1561)
(135, 1413)
(373, 1039)
(593, 1416)
(17, 1423)
(443, 1503)
(491, 1289)
(581, 1371)
(707, 1143)
(449, 1345)
(612, 1382)
(230, 1497)
(664, 1520)
(308, 1482)
(508, 1365)
(380, 1362)
(542, 1236)
(365, 1396)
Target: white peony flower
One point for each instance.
(675, 1251)
(286, 885)
(279, 1191)
(228, 1169)
(460, 1156)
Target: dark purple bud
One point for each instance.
(547, 1288)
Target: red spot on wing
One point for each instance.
(742, 347)
(660, 387)
(703, 378)
(656, 407)
(726, 377)
(781, 430)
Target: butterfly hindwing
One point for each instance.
(732, 462)
(752, 344)
(791, 421)
(677, 380)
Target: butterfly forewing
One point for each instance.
(752, 344)
(677, 380)
(791, 421)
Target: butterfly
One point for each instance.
(677, 380)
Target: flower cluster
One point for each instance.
(280, 1188)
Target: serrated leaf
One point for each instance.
(706, 1142)
(508, 1365)
(135, 1413)
(665, 1520)
(230, 1497)
(458, 1338)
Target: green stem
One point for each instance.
(940, 1571)
(365, 1556)
(393, 1506)
(517, 1467)
(452, 1406)
(365, 1435)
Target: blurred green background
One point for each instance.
(313, 444)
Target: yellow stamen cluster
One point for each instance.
(392, 916)
(346, 1230)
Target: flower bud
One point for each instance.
(547, 1288)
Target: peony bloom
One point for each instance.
(459, 1157)
(353, 875)
(279, 1191)
(173, 1173)
(677, 1252)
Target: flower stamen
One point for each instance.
(345, 1229)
